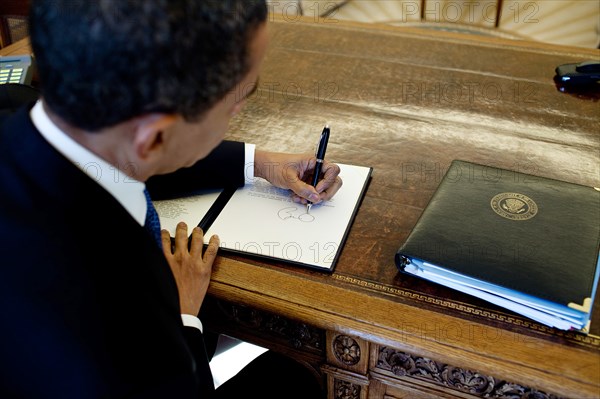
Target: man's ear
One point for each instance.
(149, 136)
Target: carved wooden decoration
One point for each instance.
(298, 335)
(406, 365)
(346, 350)
(346, 390)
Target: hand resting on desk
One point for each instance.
(191, 268)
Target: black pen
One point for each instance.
(320, 155)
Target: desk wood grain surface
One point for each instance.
(17, 48)
(407, 102)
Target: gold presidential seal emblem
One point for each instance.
(514, 206)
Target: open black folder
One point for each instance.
(262, 220)
(523, 242)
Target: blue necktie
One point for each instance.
(152, 223)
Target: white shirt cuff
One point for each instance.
(249, 162)
(191, 321)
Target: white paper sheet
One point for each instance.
(188, 209)
(262, 219)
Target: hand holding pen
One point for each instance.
(320, 155)
(309, 181)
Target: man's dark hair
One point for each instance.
(101, 62)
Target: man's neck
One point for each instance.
(112, 144)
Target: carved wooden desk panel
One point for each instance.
(407, 102)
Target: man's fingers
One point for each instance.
(303, 190)
(196, 242)
(330, 175)
(181, 236)
(211, 250)
(330, 191)
(165, 236)
(326, 187)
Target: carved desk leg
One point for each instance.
(347, 367)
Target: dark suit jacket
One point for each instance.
(88, 305)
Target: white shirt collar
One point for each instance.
(128, 191)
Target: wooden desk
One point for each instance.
(17, 48)
(407, 102)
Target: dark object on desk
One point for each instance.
(523, 242)
(589, 92)
(586, 73)
(588, 67)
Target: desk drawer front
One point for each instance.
(396, 367)
(265, 328)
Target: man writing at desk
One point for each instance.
(90, 304)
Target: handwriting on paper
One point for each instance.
(295, 213)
